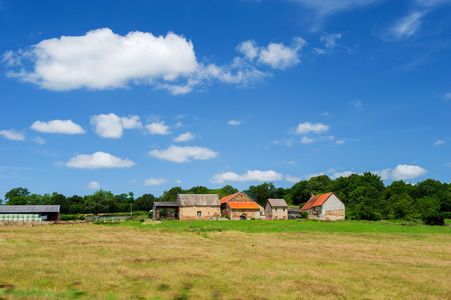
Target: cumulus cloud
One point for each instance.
(58, 126)
(306, 140)
(255, 175)
(184, 154)
(112, 126)
(292, 179)
(234, 122)
(13, 135)
(154, 181)
(307, 127)
(403, 172)
(276, 55)
(157, 128)
(93, 185)
(101, 60)
(98, 160)
(184, 137)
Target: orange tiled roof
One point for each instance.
(316, 201)
(227, 198)
(243, 205)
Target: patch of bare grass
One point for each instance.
(133, 263)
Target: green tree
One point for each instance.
(99, 202)
(17, 196)
(144, 202)
(261, 193)
(171, 195)
(319, 185)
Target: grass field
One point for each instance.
(226, 260)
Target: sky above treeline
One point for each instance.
(143, 96)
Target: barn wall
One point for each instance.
(279, 213)
(332, 204)
(250, 214)
(241, 198)
(207, 212)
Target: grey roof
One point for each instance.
(198, 200)
(277, 203)
(29, 208)
(165, 204)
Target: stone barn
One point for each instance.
(276, 209)
(239, 206)
(326, 207)
(198, 206)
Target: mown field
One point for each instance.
(226, 260)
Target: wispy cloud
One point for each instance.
(13, 135)
(184, 154)
(154, 181)
(255, 175)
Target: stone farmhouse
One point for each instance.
(326, 207)
(189, 207)
(276, 209)
(239, 206)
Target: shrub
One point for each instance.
(64, 217)
(432, 217)
(446, 214)
(304, 214)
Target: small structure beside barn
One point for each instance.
(189, 207)
(29, 213)
(276, 209)
(326, 207)
(239, 206)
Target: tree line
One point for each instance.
(366, 197)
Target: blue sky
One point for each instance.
(149, 95)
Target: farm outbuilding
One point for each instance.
(239, 206)
(189, 207)
(325, 207)
(30, 213)
(276, 209)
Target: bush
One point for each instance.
(64, 217)
(304, 214)
(446, 214)
(432, 217)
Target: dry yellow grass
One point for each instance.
(46, 261)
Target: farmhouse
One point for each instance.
(325, 207)
(276, 209)
(29, 213)
(239, 206)
(189, 207)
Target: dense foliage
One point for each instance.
(366, 197)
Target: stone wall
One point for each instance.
(207, 212)
(249, 213)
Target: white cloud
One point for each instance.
(329, 7)
(446, 96)
(319, 51)
(439, 142)
(39, 140)
(330, 39)
(342, 174)
(93, 185)
(154, 181)
(112, 126)
(357, 104)
(292, 179)
(102, 59)
(402, 172)
(256, 175)
(157, 128)
(234, 122)
(306, 140)
(98, 160)
(407, 26)
(187, 136)
(13, 135)
(307, 127)
(276, 55)
(431, 3)
(340, 142)
(58, 126)
(384, 174)
(184, 154)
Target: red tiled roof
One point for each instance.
(227, 198)
(316, 201)
(243, 205)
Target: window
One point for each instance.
(199, 214)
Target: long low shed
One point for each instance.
(29, 213)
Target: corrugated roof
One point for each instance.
(277, 203)
(243, 205)
(227, 198)
(198, 200)
(165, 204)
(29, 208)
(316, 201)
